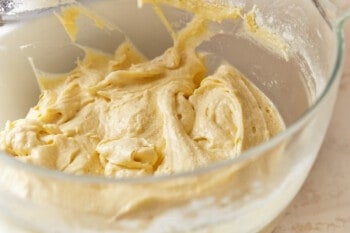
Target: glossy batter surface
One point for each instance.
(123, 115)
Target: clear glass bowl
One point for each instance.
(246, 194)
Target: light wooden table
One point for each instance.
(323, 205)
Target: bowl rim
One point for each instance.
(246, 155)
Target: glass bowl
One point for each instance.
(246, 194)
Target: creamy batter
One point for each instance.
(124, 115)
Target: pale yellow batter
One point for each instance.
(124, 115)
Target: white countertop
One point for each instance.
(323, 204)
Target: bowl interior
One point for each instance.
(291, 85)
